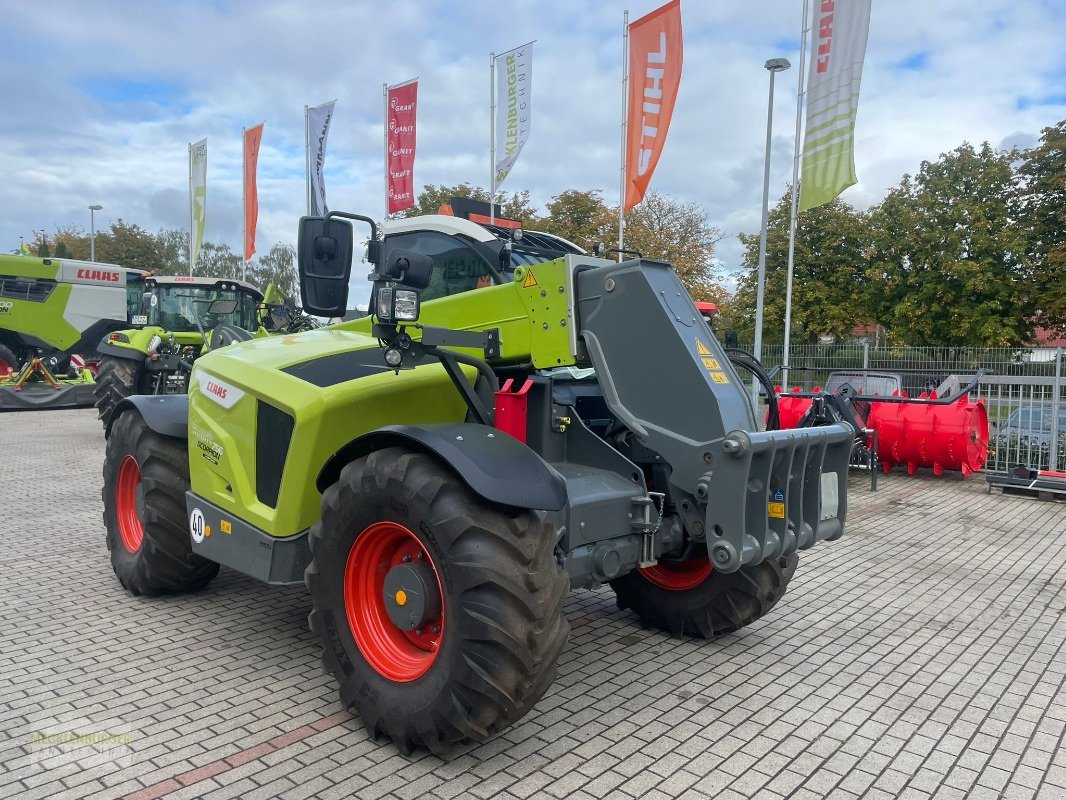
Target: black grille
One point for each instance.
(273, 435)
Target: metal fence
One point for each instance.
(1024, 390)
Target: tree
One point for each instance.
(679, 233)
(829, 273)
(128, 245)
(431, 198)
(580, 216)
(218, 261)
(277, 267)
(1043, 199)
(947, 260)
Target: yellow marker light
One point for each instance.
(207, 530)
(401, 598)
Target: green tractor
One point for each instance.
(171, 321)
(53, 311)
(514, 419)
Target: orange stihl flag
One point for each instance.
(655, 56)
(252, 138)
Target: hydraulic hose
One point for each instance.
(746, 361)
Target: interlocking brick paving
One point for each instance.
(920, 656)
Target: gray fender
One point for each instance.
(166, 414)
(492, 463)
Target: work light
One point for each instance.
(397, 305)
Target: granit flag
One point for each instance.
(402, 108)
(655, 56)
(839, 34)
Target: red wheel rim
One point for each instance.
(130, 525)
(5, 368)
(679, 575)
(395, 654)
(93, 367)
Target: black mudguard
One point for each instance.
(493, 464)
(166, 414)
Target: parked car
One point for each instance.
(1025, 438)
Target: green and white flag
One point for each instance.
(839, 34)
(514, 107)
(197, 199)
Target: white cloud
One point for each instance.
(101, 101)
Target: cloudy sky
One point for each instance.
(101, 100)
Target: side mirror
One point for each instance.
(325, 264)
(408, 268)
(222, 306)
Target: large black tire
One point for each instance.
(154, 469)
(502, 589)
(9, 363)
(722, 603)
(117, 379)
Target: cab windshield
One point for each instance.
(177, 308)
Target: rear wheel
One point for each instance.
(440, 614)
(9, 363)
(146, 476)
(692, 598)
(117, 379)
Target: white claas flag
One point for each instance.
(318, 119)
(514, 106)
(198, 196)
(839, 35)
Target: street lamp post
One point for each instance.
(92, 230)
(774, 65)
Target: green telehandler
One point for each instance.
(513, 419)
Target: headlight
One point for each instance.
(405, 305)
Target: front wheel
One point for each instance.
(146, 476)
(694, 599)
(440, 614)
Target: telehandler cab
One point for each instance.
(439, 519)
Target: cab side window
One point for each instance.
(457, 267)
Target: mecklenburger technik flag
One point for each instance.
(514, 106)
(838, 48)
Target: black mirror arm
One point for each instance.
(357, 217)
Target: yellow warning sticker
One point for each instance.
(701, 349)
(530, 280)
(719, 377)
(226, 526)
(711, 363)
(776, 510)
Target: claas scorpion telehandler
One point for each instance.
(507, 424)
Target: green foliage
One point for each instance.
(431, 198)
(277, 267)
(828, 287)
(581, 217)
(1043, 199)
(947, 253)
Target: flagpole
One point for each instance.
(492, 138)
(793, 217)
(625, 131)
(244, 202)
(385, 141)
(307, 158)
(191, 210)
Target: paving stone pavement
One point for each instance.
(922, 656)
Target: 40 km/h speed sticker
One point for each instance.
(197, 527)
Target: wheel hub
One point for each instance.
(411, 595)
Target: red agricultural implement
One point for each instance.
(944, 433)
